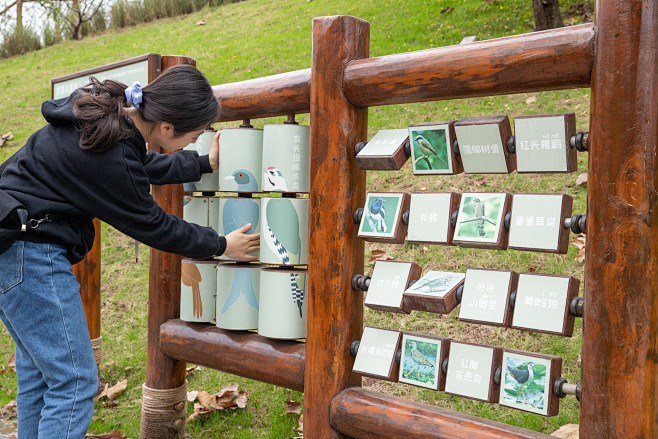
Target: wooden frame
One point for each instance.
(345, 82)
(569, 131)
(563, 232)
(567, 320)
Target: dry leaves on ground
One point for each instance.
(201, 22)
(227, 398)
(379, 255)
(581, 179)
(569, 431)
(112, 392)
(8, 411)
(5, 137)
(579, 243)
(110, 435)
(531, 100)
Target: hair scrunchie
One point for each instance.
(134, 94)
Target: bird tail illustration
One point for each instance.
(297, 293)
(279, 249)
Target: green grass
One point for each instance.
(259, 38)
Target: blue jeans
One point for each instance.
(41, 307)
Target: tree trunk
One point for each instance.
(19, 18)
(547, 14)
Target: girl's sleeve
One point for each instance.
(180, 167)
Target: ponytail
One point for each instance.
(181, 96)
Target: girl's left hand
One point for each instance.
(214, 152)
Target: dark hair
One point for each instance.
(181, 96)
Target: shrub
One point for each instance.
(18, 44)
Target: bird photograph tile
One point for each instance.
(430, 151)
(380, 215)
(480, 217)
(420, 357)
(525, 384)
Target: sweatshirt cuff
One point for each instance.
(222, 246)
(204, 164)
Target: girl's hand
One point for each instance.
(214, 152)
(238, 244)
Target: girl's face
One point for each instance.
(165, 137)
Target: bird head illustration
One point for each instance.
(273, 179)
(245, 179)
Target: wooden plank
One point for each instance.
(278, 362)
(335, 312)
(619, 361)
(163, 372)
(549, 60)
(364, 414)
(276, 95)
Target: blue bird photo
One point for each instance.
(236, 213)
(375, 216)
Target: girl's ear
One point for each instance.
(167, 129)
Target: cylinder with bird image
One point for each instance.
(282, 303)
(209, 182)
(235, 212)
(201, 211)
(284, 231)
(238, 288)
(240, 164)
(198, 289)
(286, 158)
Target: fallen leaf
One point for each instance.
(231, 388)
(300, 429)
(205, 400)
(116, 390)
(190, 369)
(12, 361)
(241, 400)
(423, 188)
(292, 408)
(379, 255)
(9, 391)
(191, 396)
(531, 100)
(447, 10)
(9, 411)
(103, 393)
(110, 435)
(199, 411)
(201, 22)
(532, 269)
(578, 241)
(109, 404)
(581, 255)
(568, 431)
(581, 179)
(425, 248)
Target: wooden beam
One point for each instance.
(247, 354)
(549, 60)
(277, 95)
(88, 273)
(364, 414)
(619, 371)
(335, 311)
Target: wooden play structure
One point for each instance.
(617, 57)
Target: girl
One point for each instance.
(91, 161)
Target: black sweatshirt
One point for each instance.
(52, 175)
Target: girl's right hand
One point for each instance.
(238, 244)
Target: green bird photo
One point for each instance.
(430, 150)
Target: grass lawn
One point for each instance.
(263, 37)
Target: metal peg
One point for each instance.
(497, 375)
(398, 356)
(354, 347)
(506, 221)
(357, 215)
(360, 282)
(291, 120)
(405, 217)
(453, 219)
(511, 144)
(459, 293)
(576, 306)
(359, 147)
(562, 388)
(246, 123)
(580, 141)
(455, 147)
(512, 299)
(577, 223)
(444, 366)
(407, 148)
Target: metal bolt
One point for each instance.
(407, 148)
(357, 215)
(359, 147)
(455, 147)
(512, 299)
(459, 293)
(576, 307)
(453, 219)
(511, 144)
(507, 220)
(497, 375)
(405, 217)
(398, 356)
(354, 347)
(444, 366)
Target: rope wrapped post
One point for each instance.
(97, 347)
(163, 412)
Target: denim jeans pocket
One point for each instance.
(11, 266)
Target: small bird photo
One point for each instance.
(524, 386)
(380, 215)
(429, 152)
(420, 357)
(436, 283)
(480, 216)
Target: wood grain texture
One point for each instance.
(364, 414)
(88, 273)
(163, 372)
(276, 95)
(335, 312)
(619, 357)
(247, 354)
(549, 60)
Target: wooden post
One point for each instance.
(163, 372)
(620, 340)
(335, 311)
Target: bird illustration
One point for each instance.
(427, 150)
(191, 277)
(523, 377)
(375, 216)
(273, 180)
(480, 217)
(418, 359)
(429, 285)
(242, 285)
(282, 235)
(245, 179)
(236, 213)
